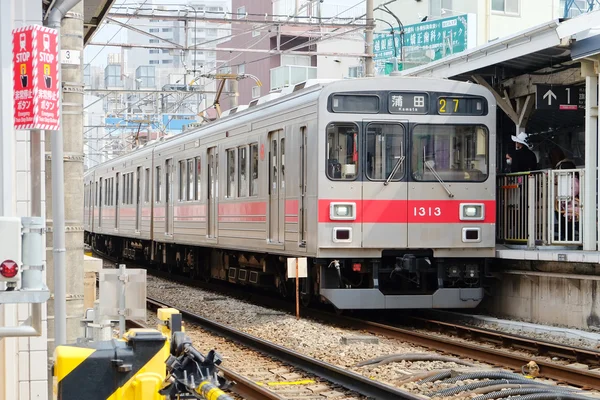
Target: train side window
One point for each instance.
(231, 173)
(131, 178)
(242, 170)
(182, 180)
(342, 151)
(198, 178)
(158, 193)
(385, 151)
(254, 169)
(147, 186)
(191, 171)
(96, 194)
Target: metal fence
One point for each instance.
(540, 207)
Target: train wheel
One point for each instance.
(306, 292)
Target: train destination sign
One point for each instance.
(408, 103)
(560, 97)
(35, 77)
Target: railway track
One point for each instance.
(336, 375)
(446, 342)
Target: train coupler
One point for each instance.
(191, 373)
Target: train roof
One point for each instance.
(272, 99)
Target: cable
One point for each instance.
(110, 40)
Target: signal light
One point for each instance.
(9, 269)
(356, 267)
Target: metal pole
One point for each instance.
(369, 67)
(58, 197)
(122, 282)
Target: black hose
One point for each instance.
(551, 396)
(475, 385)
(436, 377)
(514, 392)
(487, 375)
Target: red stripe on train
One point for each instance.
(409, 211)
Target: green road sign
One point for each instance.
(425, 42)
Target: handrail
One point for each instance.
(540, 207)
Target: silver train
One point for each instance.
(386, 185)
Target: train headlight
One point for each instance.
(342, 211)
(472, 212)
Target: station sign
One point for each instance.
(35, 78)
(425, 42)
(560, 97)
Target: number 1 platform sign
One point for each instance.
(35, 78)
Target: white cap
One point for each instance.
(521, 138)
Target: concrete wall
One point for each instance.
(490, 24)
(547, 300)
(331, 67)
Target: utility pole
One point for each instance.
(65, 216)
(369, 67)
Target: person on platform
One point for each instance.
(522, 159)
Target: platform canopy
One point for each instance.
(94, 12)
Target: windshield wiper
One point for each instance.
(437, 176)
(394, 170)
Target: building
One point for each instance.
(276, 71)
(155, 31)
(458, 25)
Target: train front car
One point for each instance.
(406, 193)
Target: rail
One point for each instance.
(541, 208)
(345, 378)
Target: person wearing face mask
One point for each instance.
(522, 159)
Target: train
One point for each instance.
(382, 187)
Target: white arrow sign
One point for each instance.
(549, 94)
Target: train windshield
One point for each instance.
(385, 152)
(454, 152)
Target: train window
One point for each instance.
(364, 104)
(282, 174)
(342, 151)
(96, 194)
(191, 171)
(231, 173)
(254, 169)
(198, 179)
(242, 170)
(182, 180)
(450, 152)
(147, 186)
(385, 151)
(131, 187)
(158, 194)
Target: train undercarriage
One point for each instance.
(399, 279)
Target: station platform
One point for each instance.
(570, 254)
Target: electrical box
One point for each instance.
(10, 250)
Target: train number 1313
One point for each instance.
(427, 211)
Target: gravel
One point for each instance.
(310, 337)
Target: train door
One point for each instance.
(277, 186)
(212, 213)
(302, 200)
(169, 196)
(117, 201)
(138, 191)
(100, 206)
(385, 191)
